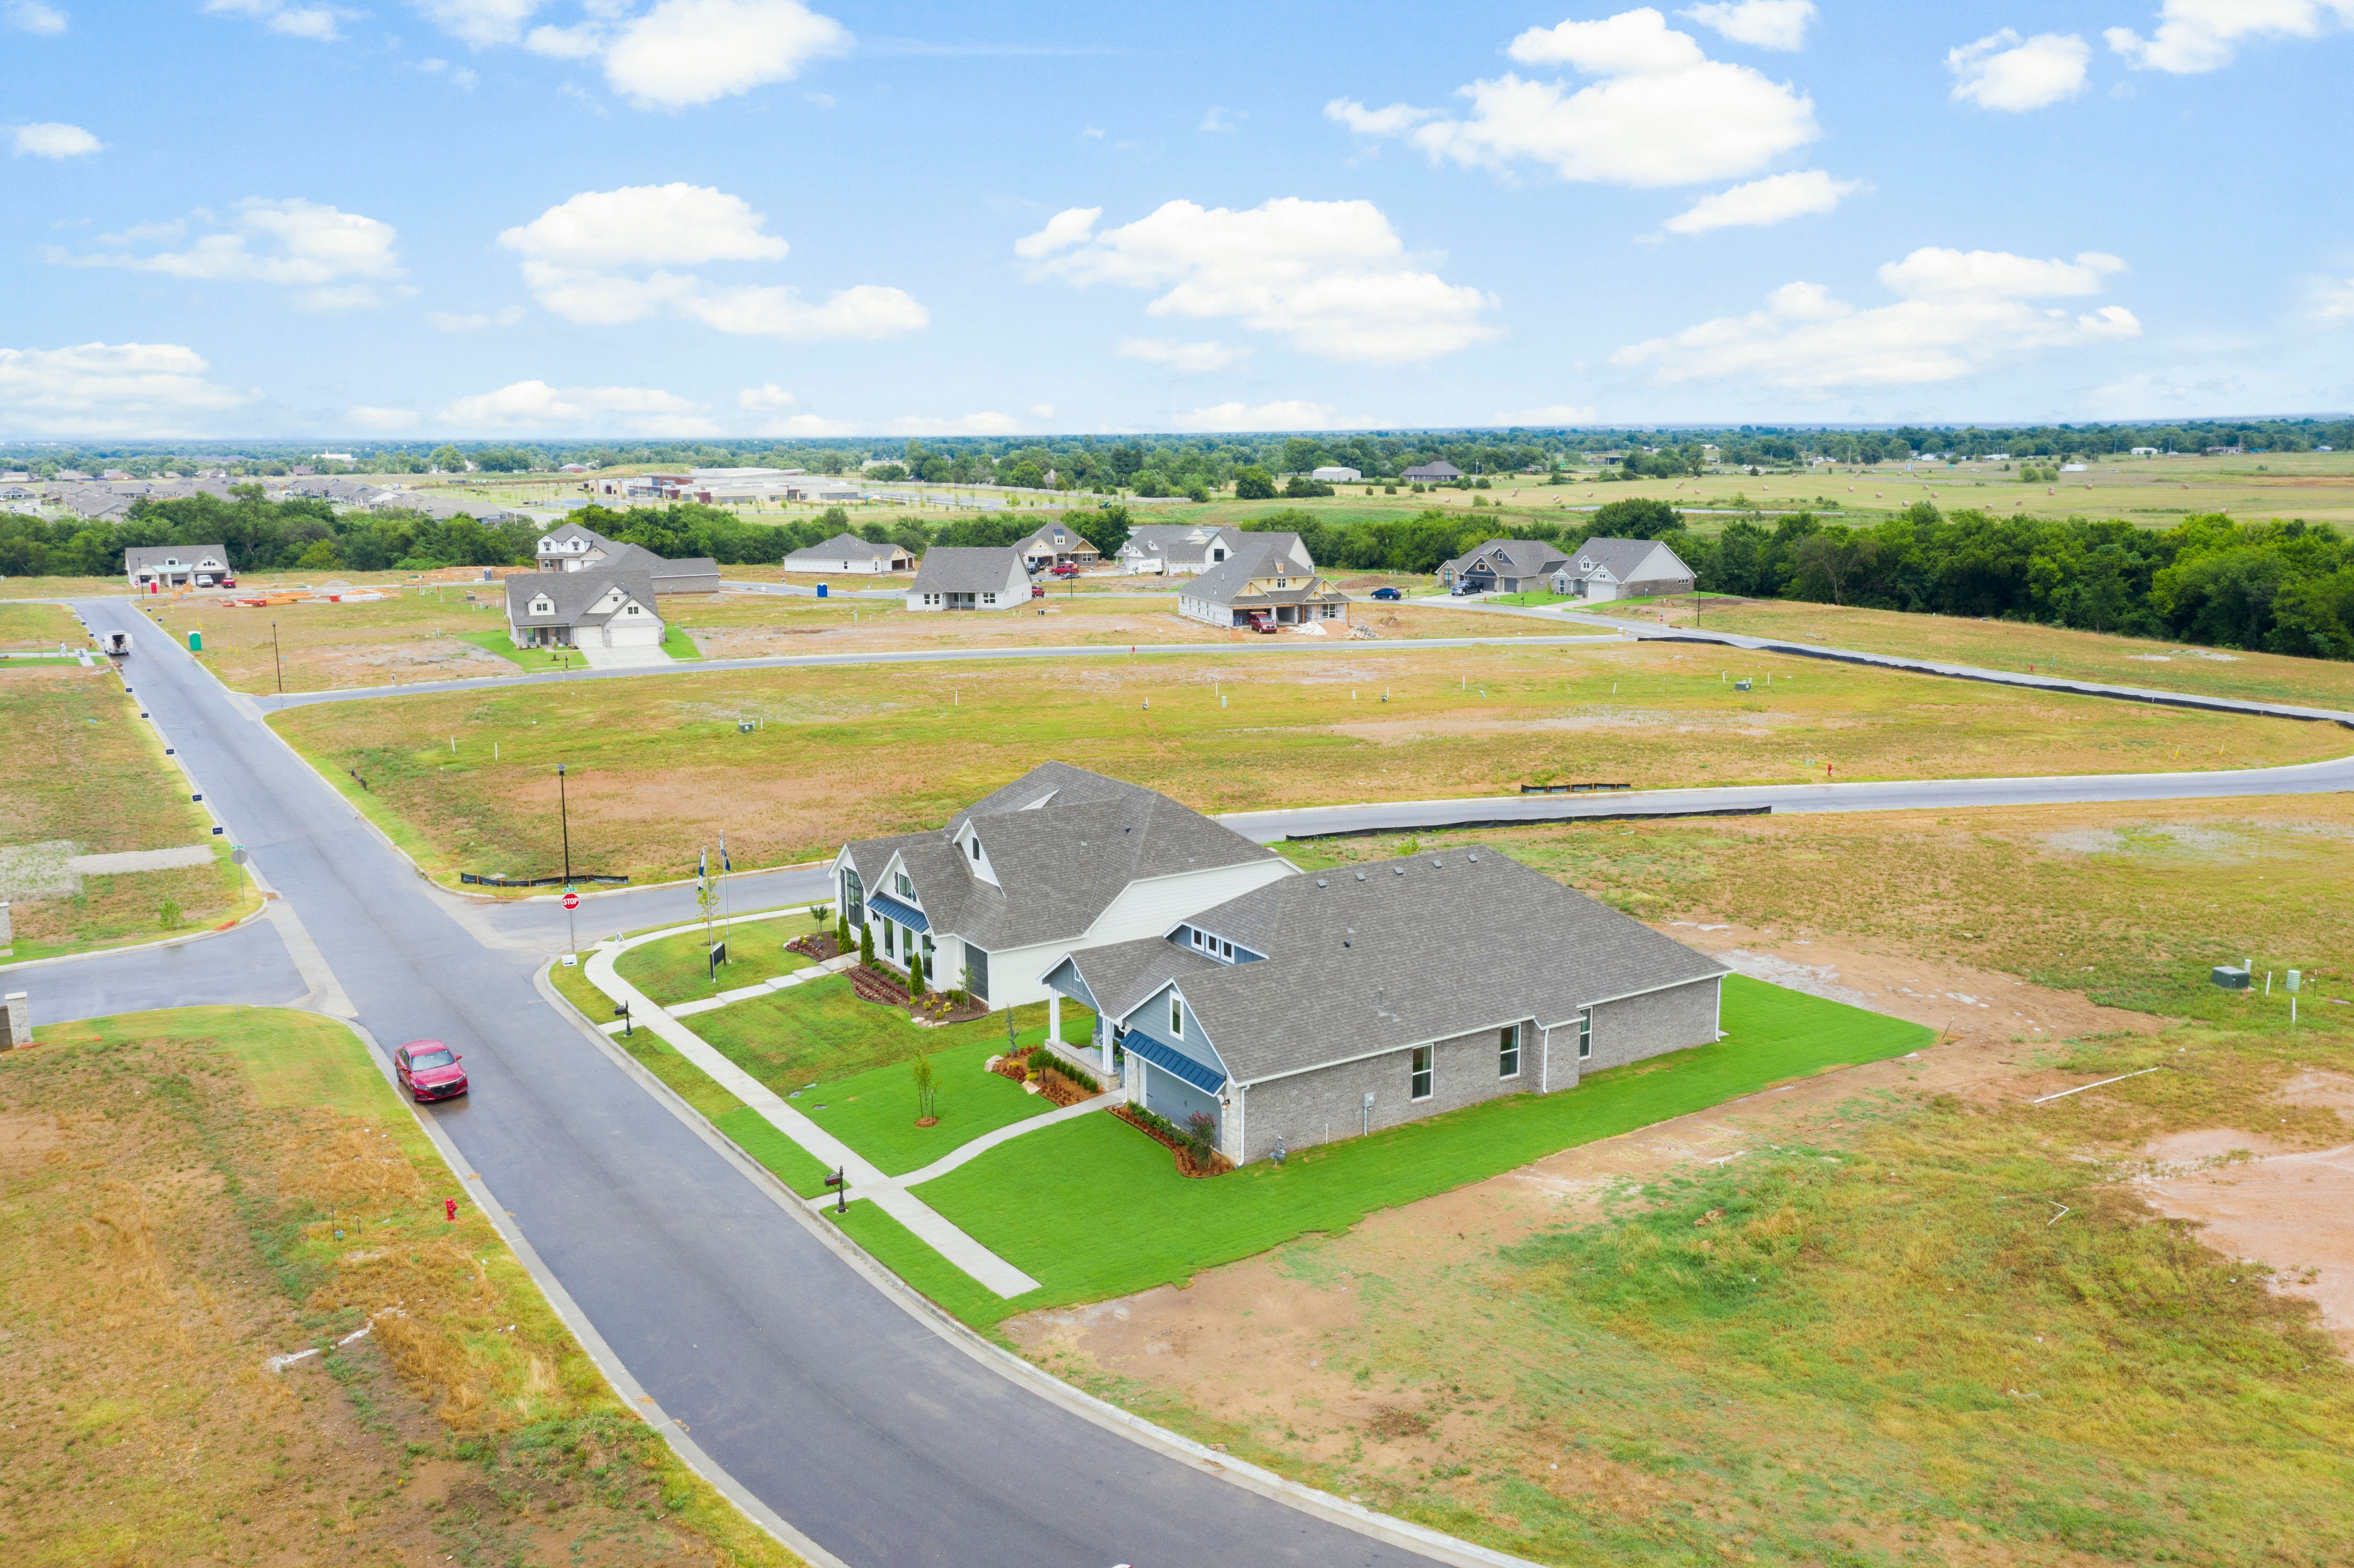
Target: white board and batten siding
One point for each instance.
(1149, 908)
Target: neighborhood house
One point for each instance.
(1269, 581)
(610, 607)
(1055, 545)
(1059, 860)
(1290, 1009)
(1177, 547)
(571, 547)
(154, 567)
(958, 577)
(1602, 569)
(848, 553)
(1502, 565)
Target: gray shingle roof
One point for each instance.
(960, 568)
(1380, 957)
(1439, 470)
(1174, 542)
(135, 556)
(1513, 557)
(1121, 975)
(1621, 558)
(573, 592)
(1063, 842)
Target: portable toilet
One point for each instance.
(195, 642)
(821, 590)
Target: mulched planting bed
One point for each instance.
(820, 947)
(1186, 1166)
(891, 990)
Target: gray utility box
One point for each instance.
(2229, 977)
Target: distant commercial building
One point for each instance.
(1337, 475)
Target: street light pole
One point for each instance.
(564, 812)
(276, 660)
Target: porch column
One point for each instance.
(1055, 1017)
(1103, 1046)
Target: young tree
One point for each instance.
(927, 1094)
(842, 934)
(1252, 482)
(867, 946)
(914, 974)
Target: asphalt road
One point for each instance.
(864, 1427)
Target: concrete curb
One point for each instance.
(1431, 1543)
(617, 1375)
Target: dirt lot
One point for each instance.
(413, 632)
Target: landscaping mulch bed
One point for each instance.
(821, 947)
(891, 990)
(1038, 1066)
(1218, 1165)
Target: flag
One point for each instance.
(702, 867)
(724, 865)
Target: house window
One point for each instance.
(1585, 1032)
(1176, 1015)
(973, 843)
(907, 888)
(989, 599)
(1508, 1052)
(1226, 950)
(1422, 1074)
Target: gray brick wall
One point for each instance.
(1644, 1026)
(1306, 1109)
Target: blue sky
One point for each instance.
(508, 218)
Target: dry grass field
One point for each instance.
(39, 627)
(2017, 645)
(1896, 1314)
(412, 635)
(659, 764)
(191, 1193)
(84, 768)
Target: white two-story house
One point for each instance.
(1059, 860)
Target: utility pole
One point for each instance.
(564, 812)
(276, 660)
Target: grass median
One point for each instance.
(1144, 1224)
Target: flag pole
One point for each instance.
(727, 915)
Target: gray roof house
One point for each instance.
(848, 553)
(1263, 583)
(571, 547)
(958, 577)
(158, 567)
(1055, 543)
(1060, 861)
(1503, 565)
(1602, 569)
(1332, 1005)
(1176, 547)
(1439, 472)
(604, 607)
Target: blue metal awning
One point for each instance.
(1168, 1058)
(890, 908)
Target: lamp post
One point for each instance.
(564, 814)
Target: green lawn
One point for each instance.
(674, 970)
(1096, 1178)
(1536, 597)
(533, 659)
(875, 1111)
(678, 644)
(821, 1030)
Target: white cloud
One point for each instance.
(2003, 71)
(1225, 122)
(316, 23)
(807, 424)
(1804, 194)
(334, 259)
(971, 425)
(111, 390)
(1395, 121)
(1041, 411)
(581, 42)
(452, 321)
(1072, 226)
(1552, 413)
(534, 406)
(1289, 416)
(459, 76)
(672, 225)
(2333, 300)
(1663, 113)
(1957, 312)
(1186, 357)
(1762, 24)
(1332, 279)
(2194, 35)
(603, 257)
(766, 398)
(479, 22)
(382, 421)
(53, 139)
(686, 52)
(38, 18)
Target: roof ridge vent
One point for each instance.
(1321, 882)
(1361, 876)
(1398, 869)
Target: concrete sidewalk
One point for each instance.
(859, 1172)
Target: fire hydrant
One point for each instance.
(449, 1210)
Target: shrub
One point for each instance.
(169, 916)
(916, 974)
(1200, 1136)
(866, 945)
(842, 934)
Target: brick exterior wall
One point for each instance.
(1644, 1026)
(1306, 1109)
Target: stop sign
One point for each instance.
(572, 901)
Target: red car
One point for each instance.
(1037, 590)
(428, 1070)
(1068, 569)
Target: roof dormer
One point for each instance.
(976, 858)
